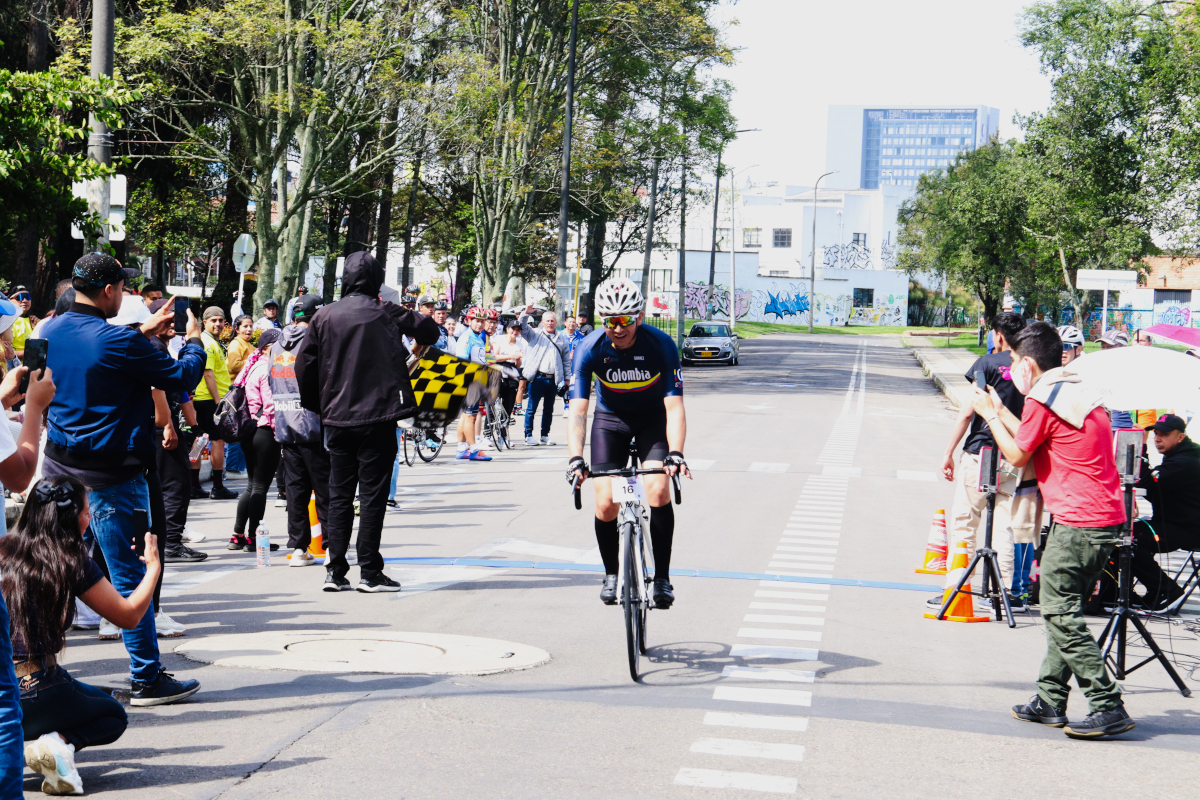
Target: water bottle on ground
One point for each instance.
(198, 447)
(262, 544)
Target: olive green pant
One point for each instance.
(1073, 559)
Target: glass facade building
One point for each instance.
(898, 144)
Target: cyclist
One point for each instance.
(639, 391)
(441, 310)
(1072, 341)
(473, 346)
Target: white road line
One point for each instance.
(788, 607)
(769, 674)
(746, 694)
(805, 565)
(812, 587)
(913, 475)
(771, 633)
(759, 721)
(779, 549)
(791, 595)
(798, 557)
(750, 781)
(779, 569)
(773, 651)
(783, 619)
(768, 466)
(745, 749)
(796, 537)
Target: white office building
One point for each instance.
(874, 146)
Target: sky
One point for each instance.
(797, 57)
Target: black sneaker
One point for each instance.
(608, 592)
(1100, 724)
(335, 584)
(934, 603)
(223, 493)
(1038, 710)
(1017, 604)
(199, 494)
(182, 554)
(378, 583)
(391, 504)
(165, 689)
(663, 596)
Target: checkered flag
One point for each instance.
(441, 382)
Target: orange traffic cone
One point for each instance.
(316, 547)
(963, 607)
(935, 548)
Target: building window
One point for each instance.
(781, 237)
(1183, 296)
(751, 237)
(660, 280)
(859, 240)
(864, 298)
(778, 273)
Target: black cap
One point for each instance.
(267, 338)
(306, 306)
(98, 270)
(1167, 423)
(270, 302)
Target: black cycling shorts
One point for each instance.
(205, 409)
(611, 437)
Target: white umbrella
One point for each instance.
(1142, 377)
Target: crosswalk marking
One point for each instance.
(771, 633)
(792, 556)
(773, 651)
(720, 779)
(746, 694)
(790, 537)
(790, 595)
(768, 466)
(746, 749)
(759, 721)
(821, 568)
(787, 607)
(768, 674)
(783, 619)
(787, 548)
(812, 587)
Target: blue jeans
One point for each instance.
(541, 387)
(396, 466)
(12, 744)
(112, 526)
(235, 459)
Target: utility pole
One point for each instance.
(565, 200)
(100, 140)
(712, 256)
(812, 275)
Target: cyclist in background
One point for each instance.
(639, 391)
(1072, 340)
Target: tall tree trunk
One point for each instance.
(235, 218)
(358, 225)
(333, 224)
(410, 221)
(25, 241)
(593, 263)
(650, 228)
(383, 228)
(464, 276)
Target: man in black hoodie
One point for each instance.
(1174, 491)
(352, 371)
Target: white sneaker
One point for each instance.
(192, 536)
(280, 502)
(566, 413)
(167, 628)
(108, 630)
(301, 558)
(55, 760)
(547, 441)
(531, 442)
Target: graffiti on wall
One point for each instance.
(847, 256)
(790, 304)
(881, 315)
(1173, 314)
(695, 300)
(888, 252)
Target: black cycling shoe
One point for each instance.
(663, 596)
(1038, 710)
(165, 689)
(223, 493)
(199, 494)
(181, 553)
(1101, 723)
(335, 584)
(608, 592)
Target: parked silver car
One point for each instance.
(710, 342)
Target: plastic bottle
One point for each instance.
(198, 447)
(262, 544)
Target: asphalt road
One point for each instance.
(815, 457)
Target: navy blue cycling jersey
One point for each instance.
(628, 382)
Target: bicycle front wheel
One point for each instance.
(426, 452)
(631, 601)
(409, 445)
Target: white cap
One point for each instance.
(133, 311)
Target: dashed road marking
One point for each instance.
(779, 697)
(746, 749)
(773, 651)
(758, 721)
(787, 607)
(790, 595)
(783, 619)
(768, 674)
(770, 633)
(720, 779)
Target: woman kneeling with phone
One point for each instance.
(44, 566)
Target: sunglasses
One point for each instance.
(622, 320)
(21, 296)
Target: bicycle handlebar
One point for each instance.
(627, 473)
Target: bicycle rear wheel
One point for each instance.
(645, 606)
(426, 452)
(631, 604)
(409, 445)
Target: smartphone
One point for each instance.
(35, 358)
(981, 380)
(181, 309)
(141, 526)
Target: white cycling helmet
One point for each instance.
(1070, 335)
(618, 296)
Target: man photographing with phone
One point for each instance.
(1066, 432)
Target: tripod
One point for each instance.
(993, 584)
(1115, 629)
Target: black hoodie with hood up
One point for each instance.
(351, 364)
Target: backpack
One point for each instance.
(232, 419)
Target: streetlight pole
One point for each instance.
(100, 140)
(712, 256)
(812, 275)
(565, 200)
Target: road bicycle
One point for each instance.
(496, 423)
(423, 443)
(635, 568)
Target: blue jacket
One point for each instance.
(102, 415)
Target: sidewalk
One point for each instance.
(947, 367)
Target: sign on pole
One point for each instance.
(106, 197)
(1106, 280)
(244, 250)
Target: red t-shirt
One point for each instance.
(1075, 468)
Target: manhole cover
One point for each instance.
(400, 653)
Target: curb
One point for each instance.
(937, 369)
